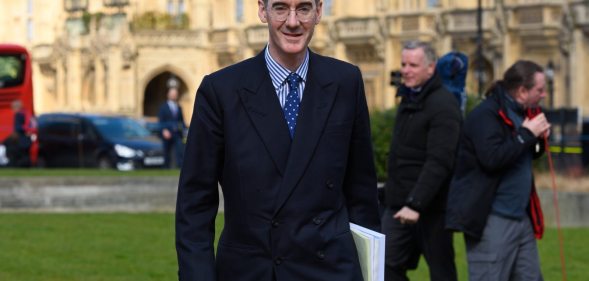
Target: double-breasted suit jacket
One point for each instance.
(173, 122)
(288, 203)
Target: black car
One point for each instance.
(84, 140)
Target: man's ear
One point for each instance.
(262, 11)
(431, 68)
(521, 95)
(319, 12)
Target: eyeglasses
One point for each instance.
(281, 13)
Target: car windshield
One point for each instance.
(119, 128)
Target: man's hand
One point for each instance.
(407, 216)
(538, 125)
(166, 134)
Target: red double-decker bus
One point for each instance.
(16, 83)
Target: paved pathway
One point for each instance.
(150, 194)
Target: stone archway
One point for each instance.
(155, 92)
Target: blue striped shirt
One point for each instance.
(278, 74)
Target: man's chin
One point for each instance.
(294, 48)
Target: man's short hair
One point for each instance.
(316, 2)
(428, 50)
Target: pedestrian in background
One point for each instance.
(492, 195)
(172, 126)
(421, 159)
(453, 68)
(19, 143)
(286, 135)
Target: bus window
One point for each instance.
(11, 70)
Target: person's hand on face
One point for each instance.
(538, 125)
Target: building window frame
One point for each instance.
(328, 7)
(239, 9)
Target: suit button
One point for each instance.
(275, 223)
(317, 220)
(320, 255)
(329, 184)
(278, 261)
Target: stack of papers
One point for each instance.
(371, 249)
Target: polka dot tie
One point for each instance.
(291, 105)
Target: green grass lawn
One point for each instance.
(141, 247)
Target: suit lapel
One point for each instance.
(318, 98)
(263, 108)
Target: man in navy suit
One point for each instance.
(286, 136)
(172, 128)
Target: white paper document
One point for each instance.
(371, 249)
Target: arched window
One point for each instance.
(181, 8)
(170, 7)
(239, 11)
(433, 3)
(327, 7)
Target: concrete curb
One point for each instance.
(154, 194)
(91, 194)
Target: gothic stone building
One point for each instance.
(118, 56)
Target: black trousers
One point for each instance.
(405, 243)
(174, 150)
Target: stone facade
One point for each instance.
(117, 56)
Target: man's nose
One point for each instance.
(291, 18)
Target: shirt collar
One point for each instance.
(278, 73)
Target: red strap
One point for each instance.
(556, 209)
(505, 119)
(531, 112)
(536, 214)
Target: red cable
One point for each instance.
(555, 199)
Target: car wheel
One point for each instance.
(104, 163)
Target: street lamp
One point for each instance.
(549, 72)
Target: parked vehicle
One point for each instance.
(152, 125)
(16, 83)
(84, 140)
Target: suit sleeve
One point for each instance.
(198, 196)
(360, 179)
(441, 145)
(181, 117)
(163, 119)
